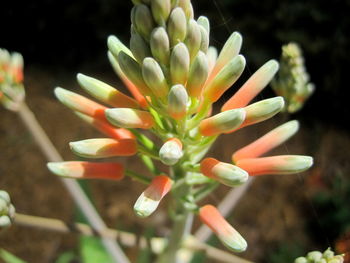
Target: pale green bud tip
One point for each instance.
(301, 260)
(177, 26)
(5, 221)
(161, 10)
(179, 64)
(314, 256)
(177, 101)
(225, 173)
(171, 151)
(204, 22)
(149, 200)
(160, 45)
(5, 196)
(143, 20)
(129, 118)
(154, 77)
(115, 46)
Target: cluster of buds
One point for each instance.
(319, 257)
(175, 77)
(7, 210)
(11, 78)
(292, 81)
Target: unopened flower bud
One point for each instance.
(5, 197)
(204, 39)
(132, 70)
(254, 85)
(149, 200)
(171, 151)
(204, 22)
(179, 64)
(177, 25)
(262, 110)
(177, 102)
(229, 51)
(104, 147)
(106, 93)
(328, 254)
(160, 45)
(193, 38)
(222, 122)
(115, 46)
(198, 75)
(5, 221)
(160, 11)
(282, 164)
(314, 256)
(139, 47)
(87, 170)
(79, 103)
(143, 20)
(154, 77)
(225, 78)
(187, 8)
(301, 260)
(212, 55)
(269, 141)
(130, 118)
(210, 216)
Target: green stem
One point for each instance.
(138, 177)
(149, 164)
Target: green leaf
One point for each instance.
(92, 251)
(66, 257)
(10, 258)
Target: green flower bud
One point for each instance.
(5, 221)
(139, 47)
(314, 256)
(301, 260)
(204, 39)
(154, 77)
(115, 46)
(187, 7)
(179, 64)
(224, 79)
(193, 39)
(171, 152)
(132, 71)
(177, 101)
(161, 11)
(177, 26)
(328, 253)
(5, 196)
(129, 118)
(143, 20)
(212, 55)
(160, 45)
(198, 75)
(204, 22)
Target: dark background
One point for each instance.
(71, 35)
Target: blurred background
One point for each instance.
(282, 217)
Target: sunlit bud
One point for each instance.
(222, 122)
(105, 92)
(160, 45)
(314, 256)
(130, 118)
(225, 173)
(262, 110)
(204, 39)
(79, 103)
(87, 170)
(281, 164)
(204, 22)
(187, 7)
(133, 72)
(179, 64)
(196, 178)
(193, 38)
(171, 151)
(139, 47)
(212, 55)
(211, 217)
(269, 141)
(154, 77)
(177, 101)
(198, 75)
(104, 148)
(143, 20)
(115, 46)
(106, 128)
(229, 51)
(301, 260)
(328, 254)
(149, 200)
(160, 11)
(177, 26)
(224, 79)
(5, 197)
(254, 85)
(132, 88)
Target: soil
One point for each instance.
(274, 210)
